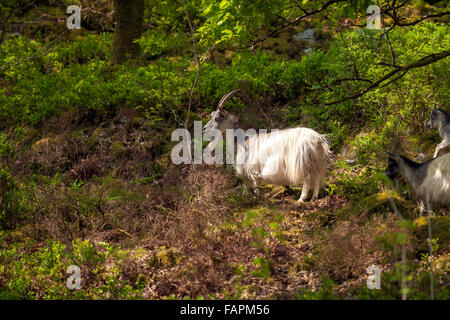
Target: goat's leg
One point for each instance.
(305, 190)
(429, 208)
(436, 151)
(430, 245)
(422, 207)
(316, 188)
(254, 179)
(439, 147)
(245, 190)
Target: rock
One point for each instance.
(307, 35)
(308, 51)
(420, 157)
(307, 38)
(166, 257)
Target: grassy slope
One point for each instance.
(156, 230)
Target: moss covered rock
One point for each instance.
(44, 144)
(377, 202)
(166, 257)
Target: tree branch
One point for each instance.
(397, 20)
(297, 19)
(420, 63)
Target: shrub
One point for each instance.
(28, 273)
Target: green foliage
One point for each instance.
(259, 72)
(223, 20)
(78, 79)
(263, 270)
(41, 273)
(16, 200)
(22, 272)
(252, 220)
(417, 285)
(355, 182)
(368, 50)
(169, 16)
(237, 21)
(74, 80)
(155, 43)
(325, 292)
(5, 147)
(75, 77)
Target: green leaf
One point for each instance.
(208, 9)
(274, 225)
(224, 4)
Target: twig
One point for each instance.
(430, 245)
(5, 25)
(393, 80)
(412, 23)
(388, 40)
(405, 230)
(194, 49)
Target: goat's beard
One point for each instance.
(395, 183)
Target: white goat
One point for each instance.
(430, 180)
(285, 157)
(440, 119)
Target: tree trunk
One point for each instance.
(128, 27)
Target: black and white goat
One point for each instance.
(430, 180)
(283, 157)
(440, 119)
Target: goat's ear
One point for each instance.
(234, 118)
(393, 156)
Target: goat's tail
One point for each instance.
(313, 158)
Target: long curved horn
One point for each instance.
(225, 98)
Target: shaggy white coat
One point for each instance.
(435, 188)
(287, 157)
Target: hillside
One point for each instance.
(86, 176)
